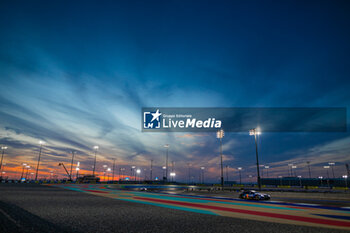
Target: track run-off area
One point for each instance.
(268, 211)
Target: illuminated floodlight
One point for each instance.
(294, 167)
(164, 167)
(202, 168)
(96, 147)
(320, 177)
(138, 171)
(3, 147)
(255, 131)
(267, 167)
(172, 174)
(331, 164)
(166, 145)
(326, 167)
(345, 176)
(239, 168)
(109, 169)
(133, 167)
(220, 134)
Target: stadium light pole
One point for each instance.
(93, 171)
(202, 173)
(332, 165)
(220, 134)
(104, 171)
(3, 148)
(71, 166)
(226, 173)
(23, 166)
(290, 170)
(327, 167)
(121, 173)
(28, 168)
(113, 170)
(145, 172)
(300, 181)
(166, 161)
(164, 167)
(189, 172)
(173, 169)
(280, 179)
(267, 171)
(37, 166)
(173, 174)
(77, 169)
(151, 171)
(240, 177)
(255, 132)
(346, 181)
(308, 165)
(2, 171)
(294, 167)
(321, 177)
(251, 181)
(133, 173)
(108, 171)
(138, 172)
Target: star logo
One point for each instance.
(152, 120)
(156, 115)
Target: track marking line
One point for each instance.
(10, 218)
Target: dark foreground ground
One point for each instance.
(35, 208)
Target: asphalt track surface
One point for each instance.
(331, 201)
(39, 208)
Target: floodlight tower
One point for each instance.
(240, 177)
(93, 171)
(332, 165)
(327, 167)
(3, 148)
(71, 166)
(37, 166)
(166, 161)
(202, 174)
(308, 166)
(220, 134)
(255, 132)
(267, 171)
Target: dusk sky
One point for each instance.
(76, 74)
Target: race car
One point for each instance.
(253, 195)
